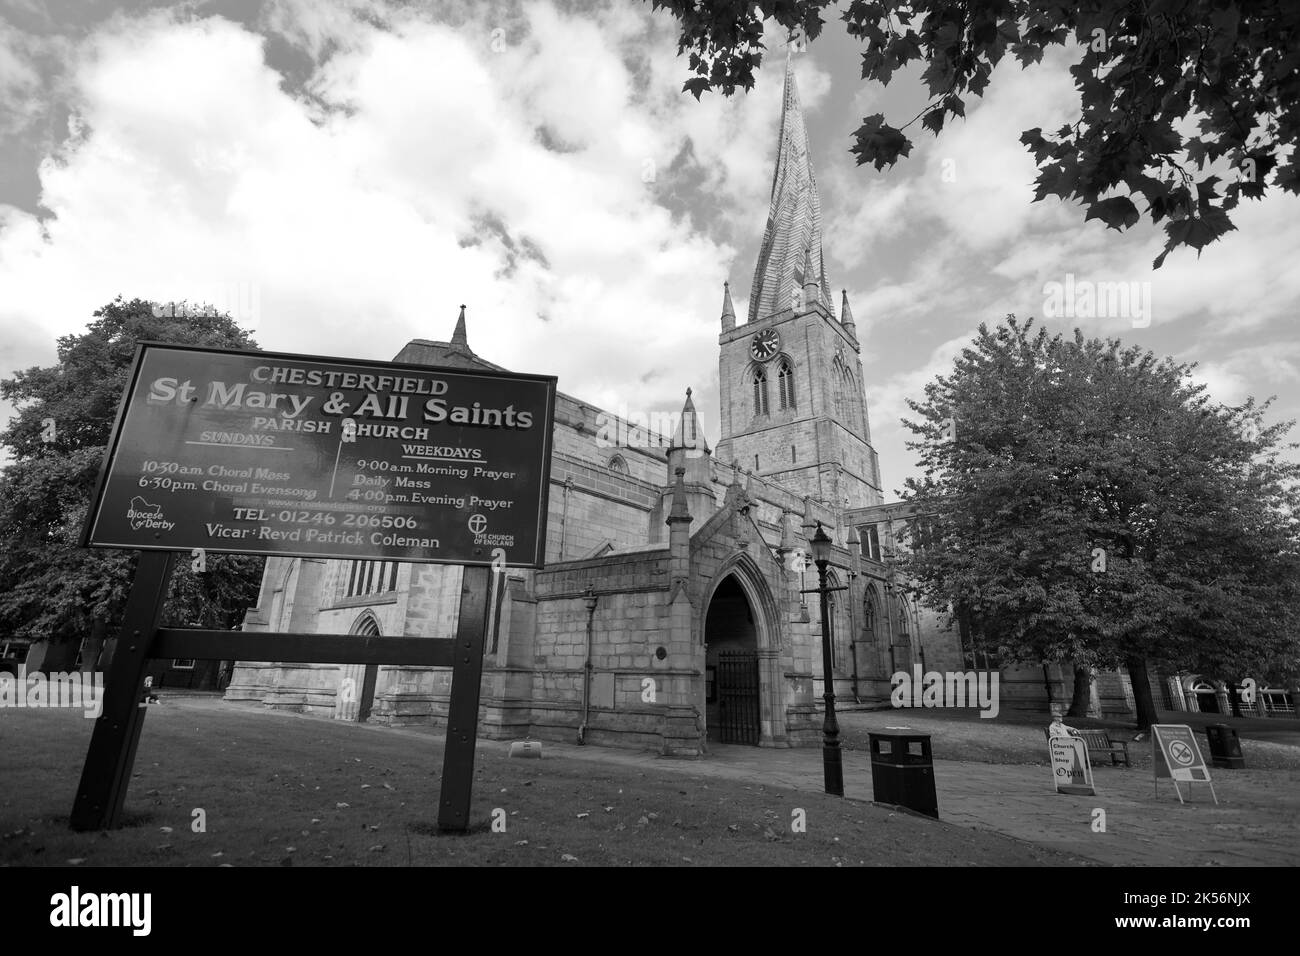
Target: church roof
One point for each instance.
(794, 218)
(453, 354)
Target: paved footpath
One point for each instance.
(1256, 822)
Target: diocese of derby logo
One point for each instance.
(141, 514)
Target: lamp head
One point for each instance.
(821, 545)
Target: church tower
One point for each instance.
(794, 408)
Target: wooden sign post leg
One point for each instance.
(462, 713)
(107, 771)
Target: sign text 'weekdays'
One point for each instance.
(264, 453)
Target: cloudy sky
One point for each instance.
(343, 175)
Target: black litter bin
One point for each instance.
(1225, 748)
(902, 770)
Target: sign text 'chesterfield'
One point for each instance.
(260, 453)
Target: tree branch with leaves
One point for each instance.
(1146, 71)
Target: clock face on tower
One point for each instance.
(765, 344)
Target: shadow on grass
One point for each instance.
(278, 791)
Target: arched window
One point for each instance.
(760, 391)
(785, 383)
(853, 410)
(869, 542)
(366, 626)
(832, 616)
(869, 614)
(617, 465)
(371, 577)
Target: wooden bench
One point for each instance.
(1099, 742)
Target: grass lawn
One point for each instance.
(285, 790)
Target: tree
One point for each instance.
(1088, 503)
(1082, 695)
(50, 588)
(1147, 72)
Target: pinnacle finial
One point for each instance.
(811, 283)
(458, 337)
(728, 310)
(689, 433)
(846, 314)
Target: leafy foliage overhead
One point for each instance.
(1185, 106)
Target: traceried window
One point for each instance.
(903, 617)
(760, 391)
(785, 383)
(869, 614)
(870, 542)
(617, 465)
(832, 619)
(851, 393)
(371, 577)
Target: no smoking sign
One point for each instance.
(1176, 755)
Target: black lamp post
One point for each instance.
(589, 599)
(832, 763)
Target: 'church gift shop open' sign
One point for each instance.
(267, 453)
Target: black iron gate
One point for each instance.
(737, 679)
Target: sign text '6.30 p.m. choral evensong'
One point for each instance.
(265, 453)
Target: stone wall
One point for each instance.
(630, 623)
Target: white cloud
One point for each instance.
(887, 401)
(1237, 376)
(978, 176)
(413, 179)
(498, 155)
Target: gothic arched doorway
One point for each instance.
(732, 684)
(356, 692)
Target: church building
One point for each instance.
(670, 612)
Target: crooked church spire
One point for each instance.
(794, 219)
